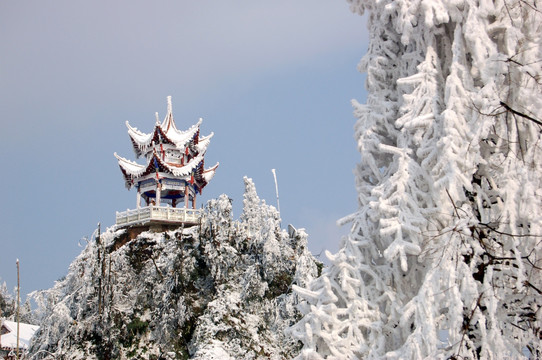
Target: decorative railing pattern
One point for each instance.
(158, 213)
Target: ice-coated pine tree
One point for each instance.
(221, 290)
(444, 259)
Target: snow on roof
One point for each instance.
(132, 170)
(181, 138)
(140, 138)
(204, 143)
(167, 129)
(26, 331)
(208, 174)
(136, 170)
(131, 167)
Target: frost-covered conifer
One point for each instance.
(444, 259)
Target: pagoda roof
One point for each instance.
(165, 132)
(132, 170)
(165, 150)
(203, 143)
(208, 174)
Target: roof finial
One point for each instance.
(157, 119)
(169, 107)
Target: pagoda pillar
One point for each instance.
(158, 193)
(186, 196)
(138, 199)
(194, 202)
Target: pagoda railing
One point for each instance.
(158, 214)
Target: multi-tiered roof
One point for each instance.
(174, 170)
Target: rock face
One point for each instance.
(215, 291)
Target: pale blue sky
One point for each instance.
(273, 82)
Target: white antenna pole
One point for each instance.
(276, 188)
(18, 308)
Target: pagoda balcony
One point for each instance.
(158, 215)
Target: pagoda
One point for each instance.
(172, 176)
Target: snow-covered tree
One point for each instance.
(257, 263)
(444, 259)
(7, 303)
(215, 290)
